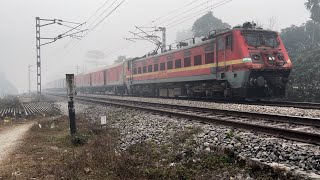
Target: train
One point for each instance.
(244, 62)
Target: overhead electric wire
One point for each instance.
(97, 24)
(184, 12)
(91, 24)
(186, 18)
(95, 13)
(183, 19)
(176, 10)
(106, 10)
(119, 49)
(69, 26)
(69, 22)
(168, 14)
(108, 14)
(170, 21)
(88, 20)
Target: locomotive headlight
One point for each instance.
(256, 57)
(270, 58)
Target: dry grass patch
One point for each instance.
(49, 152)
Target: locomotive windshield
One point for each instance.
(256, 38)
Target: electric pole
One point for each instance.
(38, 44)
(164, 39)
(69, 33)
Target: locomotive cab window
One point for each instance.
(135, 71)
(162, 66)
(178, 63)
(209, 59)
(229, 42)
(221, 44)
(150, 68)
(187, 62)
(170, 65)
(144, 69)
(198, 60)
(139, 70)
(156, 67)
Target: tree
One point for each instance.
(303, 85)
(207, 23)
(120, 59)
(300, 38)
(314, 7)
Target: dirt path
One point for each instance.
(9, 138)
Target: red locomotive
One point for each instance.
(243, 62)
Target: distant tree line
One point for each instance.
(6, 87)
(303, 44)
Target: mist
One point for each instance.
(69, 55)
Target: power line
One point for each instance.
(108, 15)
(106, 10)
(173, 11)
(184, 12)
(157, 19)
(96, 25)
(186, 18)
(177, 22)
(95, 13)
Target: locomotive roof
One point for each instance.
(221, 32)
(175, 50)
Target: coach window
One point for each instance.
(170, 65)
(187, 62)
(162, 66)
(150, 68)
(209, 58)
(229, 42)
(178, 63)
(156, 67)
(198, 60)
(144, 69)
(139, 70)
(135, 71)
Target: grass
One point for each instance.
(50, 153)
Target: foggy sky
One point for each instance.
(17, 32)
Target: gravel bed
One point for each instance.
(227, 106)
(137, 126)
(258, 122)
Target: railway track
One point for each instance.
(301, 105)
(288, 127)
(289, 104)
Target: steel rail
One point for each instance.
(289, 134)
(265, 116)
(301, 105)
